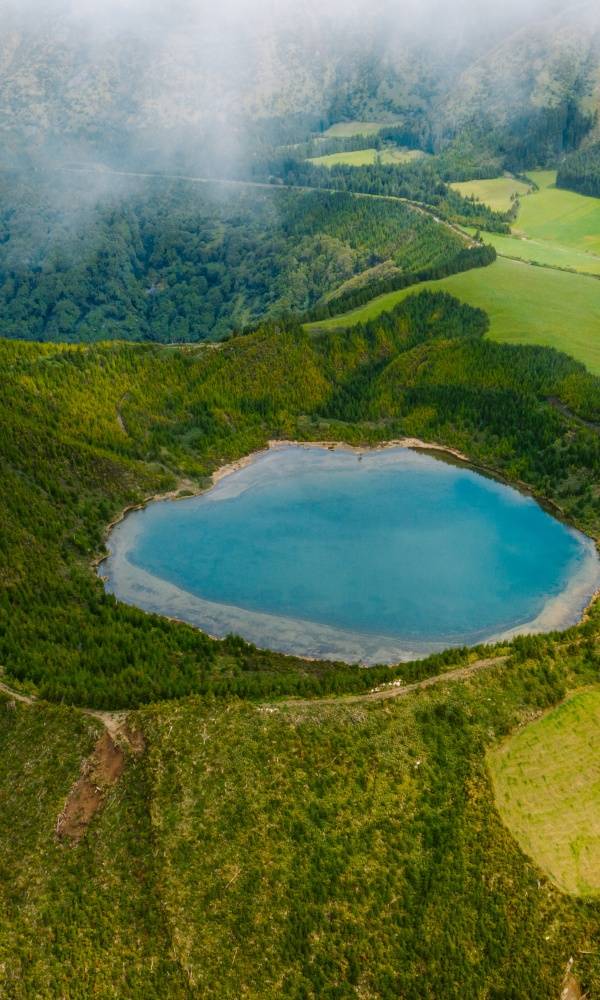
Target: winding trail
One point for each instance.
(396, 689)
(115, 722)
(418, 206)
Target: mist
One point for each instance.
(138, 82)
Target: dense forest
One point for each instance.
(84, 257)
(88, 430)
(284, 852)
(581, 171)
(419, 181)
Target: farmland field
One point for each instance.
(344, 130)
(561, 217)
(394, 155)
(540, 252)
(547, 783)
(355, 158)
(496, 193)
(526, 305)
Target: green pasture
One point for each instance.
(345, 130)
(546, 254)
(497, 192)
(526, 305)
(547, 785)
(561, 217)
(393, 155)
(355, 158)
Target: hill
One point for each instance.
(526, 305)
(89, 430)
(242, 838)
(91, 256)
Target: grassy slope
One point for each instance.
(526, 305)
(317, 852)
(547, 784)
(539, 252)
(496, 192)
(345, 130)
(561, 217)
(355, 158)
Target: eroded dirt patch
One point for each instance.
(571, 990)
(98, 774)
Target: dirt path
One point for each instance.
(99, 772)
(25, 699)
(418, 206)
(397, 689)
(558, 404)
(116, 725)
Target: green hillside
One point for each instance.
(282, 851)
(89, 430)
(558, 216)
(526, 305)
(548, 763)
(93, 256)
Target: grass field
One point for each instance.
(395, 155)
(496, 193)
(355, 158)
(548, 254)
(526, 305)
(344, 130)
(547, 784)
(364, 157)
(560, 217)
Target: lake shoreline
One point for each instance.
(186, 489)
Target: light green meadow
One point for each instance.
(497, 192)
(547, 785)
(526, 305)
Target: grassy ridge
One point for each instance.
(88, 430)
(547, 785)
(498, 192)
(274, 852)
(526, 305)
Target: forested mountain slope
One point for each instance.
(129, 77)
(91, 257)
(253, 847)
(89, 429)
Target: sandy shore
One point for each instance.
(274, 445)
(186, 487)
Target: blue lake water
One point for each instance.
(373, 557)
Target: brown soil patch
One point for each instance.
(98, 773)
(571, 990)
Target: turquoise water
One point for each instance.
(329, 553)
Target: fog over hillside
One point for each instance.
(113, 75)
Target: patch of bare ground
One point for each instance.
(571, 990)
(397, 689)
(99, 773)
